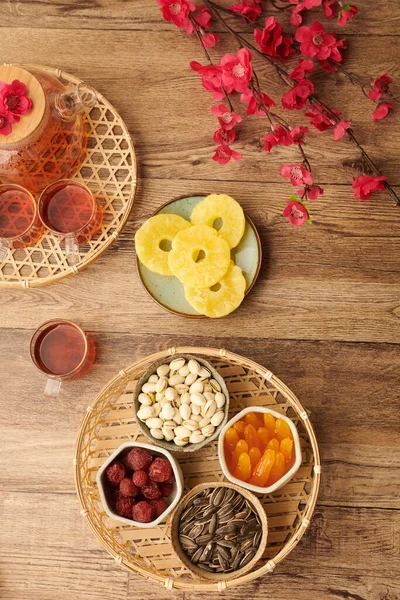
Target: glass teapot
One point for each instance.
(48, 142)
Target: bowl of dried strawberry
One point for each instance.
(140, 484)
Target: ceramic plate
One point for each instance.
(169, 291)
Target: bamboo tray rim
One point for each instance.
(114, 232)
(270, 565)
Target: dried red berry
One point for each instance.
(140, 478)
(160, 469)
(151, 491)
(166, 489)
(128, 488)
(159, 505)
(172, 478)
(115, 472)
(139, 458)
(143, 512)
(124, 507)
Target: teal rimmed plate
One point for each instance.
(169, 292)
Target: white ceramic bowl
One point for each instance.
(282, 480)
(155, 451)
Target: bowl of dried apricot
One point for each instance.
(259, 449)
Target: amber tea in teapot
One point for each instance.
(48, 142)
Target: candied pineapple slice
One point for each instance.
(225, 208)
(199, 257)
(153, 236)
(226, 299)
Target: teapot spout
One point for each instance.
(74, 101)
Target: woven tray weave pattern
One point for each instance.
(109, 422)
(109, 170)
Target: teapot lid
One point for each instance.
(30, 121)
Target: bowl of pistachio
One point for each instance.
(181, 403)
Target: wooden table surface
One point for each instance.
(324, 315)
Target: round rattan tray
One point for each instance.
(109, 170)
(109, 422)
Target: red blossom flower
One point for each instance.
(236, 70)
(249, 9)
(296, 213)
(365, 185)
(223, 154)
(5, 126)
(320, 118)
(253, 102)
(202, 16)
(346, 14)
(297, 174)
(308, 4)
(211, 78)
(298, 133)
(382, 111)
(297, 97)
(340, 130)
(224, 136)
(226, 118)
(313, 192)
(14, 101)
(330, 8)
(295, 18)
(210, 39)
(272, 42)
(177, 12)
(381, 86)
(316, 42)
(278, 137)
(301, 69)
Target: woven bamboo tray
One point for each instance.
(110, 171)
(109, 422)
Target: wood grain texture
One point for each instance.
(324, 315)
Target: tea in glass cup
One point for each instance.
(70, 211)
(20, 225)
(61, 350)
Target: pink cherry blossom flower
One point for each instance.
(295, 18)
(382, 111)
(278, 137)
(226, 118)
(14, 101)
(249, 9)
(365, 185)
(297, 174)
(320, 118)
(5, 126)
(210, 39)
(330, 8)
(297, 134)
(211, 79)
(297, 97)
(313, 192)
(272, 42)
(177, 12)
(253, 106)
(236, 70)
(381, 86)
(296, 213)
(224, 136)
(340, 130)
(314, 41)
(202, 16)
(301, 69)
(223, 154)
(346, 14)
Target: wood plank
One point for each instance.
(378, 18)
(181, 108)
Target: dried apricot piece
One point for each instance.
(255, 455)
(251, 437)
(263, 436)
(263, 468)
(273, 444)
(278, 468)
(287, 449)
(239, 426)
(231, 438)
(282, 430)
(254, 419)
(241, 447)
(269, 422)
(243, 469)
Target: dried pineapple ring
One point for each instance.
(188, 246)
(223, 301)
(221, 206)
(148, 239)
